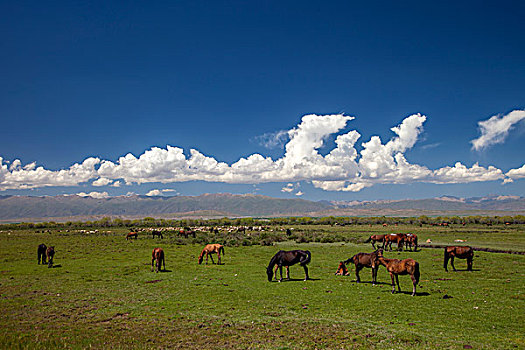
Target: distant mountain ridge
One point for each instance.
(28, 208)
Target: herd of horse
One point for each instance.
(373, 260)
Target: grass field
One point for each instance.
(102, 294)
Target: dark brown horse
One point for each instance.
(376, 239)
(411, 241)
(398, 267)
(157, 256)
(361, 260)
(398, 238)
(286, 259)
(132, 235)
(50, 253)
(156, 233)
(210, 249)
(460, 252)
(41, 254)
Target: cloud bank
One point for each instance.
(344, 168)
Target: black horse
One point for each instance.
(156, 233)
(42, 254)
(288, 258)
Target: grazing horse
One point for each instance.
(157, 256)
(286, 259)
(41, 253)
(212, 249)
(342, 270)
(460, 252)
(361, 260)
(376, 239)
(411, 241)
(50, 253)
(398, 267)
(398, 238)
(157, 233)
(132, 235)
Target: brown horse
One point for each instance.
(376, 239)
(398, 267)
(342, 270)
(41, 254)
(131, 235)
(50, 253)
(361, 260)
(460, 252)
(411, 241)
(398, 238)
(287, 259)
(157, 256)
(156, 233)
(212, 249)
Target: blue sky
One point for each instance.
(100, 80)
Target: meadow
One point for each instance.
(101, 293)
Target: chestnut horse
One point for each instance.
(287, 259)
(212, 249)
(460, 252)
(157, 256)
(411, 241)
(398, 267)
(131, 235)
(376, 239)
(41, 253)
(361, 260)
(50, 253)
(398, 238)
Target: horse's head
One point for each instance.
(269, 272)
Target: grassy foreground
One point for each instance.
(102, 294)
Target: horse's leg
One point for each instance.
(219, 258)
(357, 269)
(397, 281)
(281, 272)
(393, 283)
(211, 257)
(275, 272)
(414, 282)
(452, 262)
(288, 272)
(152, 261)
(374, 275)
(373, 245)
(469, 263)
(306, 272)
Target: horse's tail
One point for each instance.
(368, 240)
(417, 274)
(445, 258)
(307, 259)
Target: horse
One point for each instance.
(41, 253)
(411, 240)
(131, 235)
(361, 260)
(186, 232)
(157, 256)
(398, 238)
(398, 267)
(212, 249)
(460, 252)
(50, 253)
(376, 239)
(287, 259)
(342, 270)
(157, 233)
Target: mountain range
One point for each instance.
(74, 207)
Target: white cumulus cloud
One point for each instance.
(97, 195)
(495, 129)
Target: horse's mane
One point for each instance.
(273, 260)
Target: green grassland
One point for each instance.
(102, 294)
